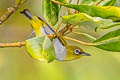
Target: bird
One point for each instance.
(63, 51)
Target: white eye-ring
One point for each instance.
(77, 51)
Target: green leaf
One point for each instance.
(41, 48)
(50, 11)
(87, 2)
(77, 19)
(106, 24)
(106, 12)
(102, 3)
(83, 19)
(107, 2)
(109, 42)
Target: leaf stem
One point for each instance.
(58, 26)
(68, 9)
(66, 28)
(10, 11)
(99, 2)
(85, 34)
(83, 43)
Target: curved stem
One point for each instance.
(66, 28)
(85, 34)
(83, 43)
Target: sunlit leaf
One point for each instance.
(109, 42)
(82, 18)
(77, 19)
(98, 11)
(106, 24)
(50, 11)
(100, 24)
(41, 48)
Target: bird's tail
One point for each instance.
(27, 13)
(48, 29)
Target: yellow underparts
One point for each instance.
(37, 25)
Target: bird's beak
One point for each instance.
(85, 54)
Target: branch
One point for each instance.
(20, 44)
(10, 11)
(17, 44)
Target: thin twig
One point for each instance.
(17, 44)
(10, 11)
(85, 34)
(68, 9)
(69, 30)
(57, 2)
(77, 4)
(83, 43)
(58, 26)
(99, 2)
(66, 28)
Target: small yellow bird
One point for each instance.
(63, 51)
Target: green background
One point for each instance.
(16, 64)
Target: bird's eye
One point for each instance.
(77, 51)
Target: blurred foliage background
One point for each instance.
(16, 64)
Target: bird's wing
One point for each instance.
(60, 49)
(46, 28)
